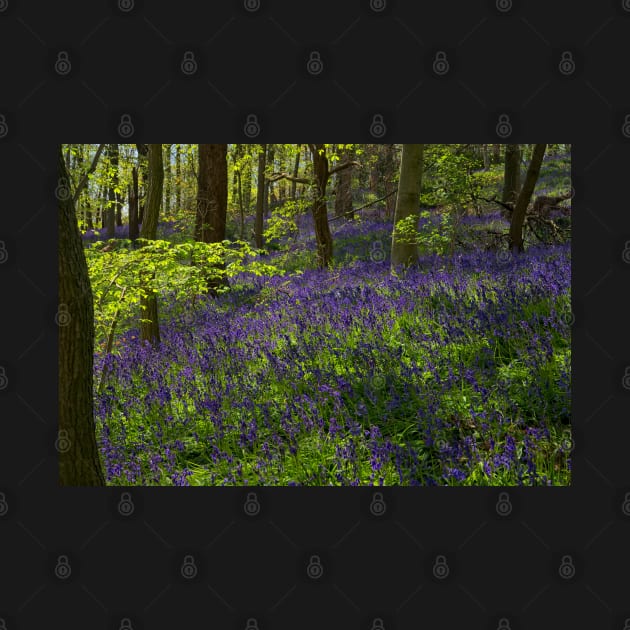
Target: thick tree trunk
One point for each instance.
(149, 326)
(407, 203)
(79, 463)
(518, 216)
(212, 199)
(343, 192)
(320, 208)
(512, 173)
(260, 198)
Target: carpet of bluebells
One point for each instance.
(456, 373)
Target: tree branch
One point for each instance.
(83, 181)
(371, 203)
(274, 177)
(342, 167)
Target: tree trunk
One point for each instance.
(296, 169)
(496, 153)
(408, 203)
(518, 216)
(320, 209)
(389, 172)
(212, 200)
(260, 199)
(133, 205)
(343, 192)
(79, 464)
(486, 157)
(149, 326)
(512, 173)
(110, 213)
(178, 175)
(167, 180)
(268, 188)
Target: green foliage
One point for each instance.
(432, 235)
(123, 276)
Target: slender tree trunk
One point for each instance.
(486, 157)
(343, 192)
(296, 169)
(518, 216)
(496, 153)
(512, 173)
(407, 204)
(134, 231)
(110, 214)
(149, 326)
(268, 187)
(320, 208)
(79, 463)
(167, 179)
(260, 199)
(390, 170)
(178, 175)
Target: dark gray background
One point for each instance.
(378, 59)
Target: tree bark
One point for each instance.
(320, 208)
(389, 172)
(149, 326)
(512, 173)
(260, 198)
(134, 230)
(518, 216)
(212, 199)
(79, 464)
(268, 189)
(407, 203)
(343, 192)
(110, 213)
(296, 169)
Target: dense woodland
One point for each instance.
(314, 314)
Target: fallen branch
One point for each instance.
(371, 203)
